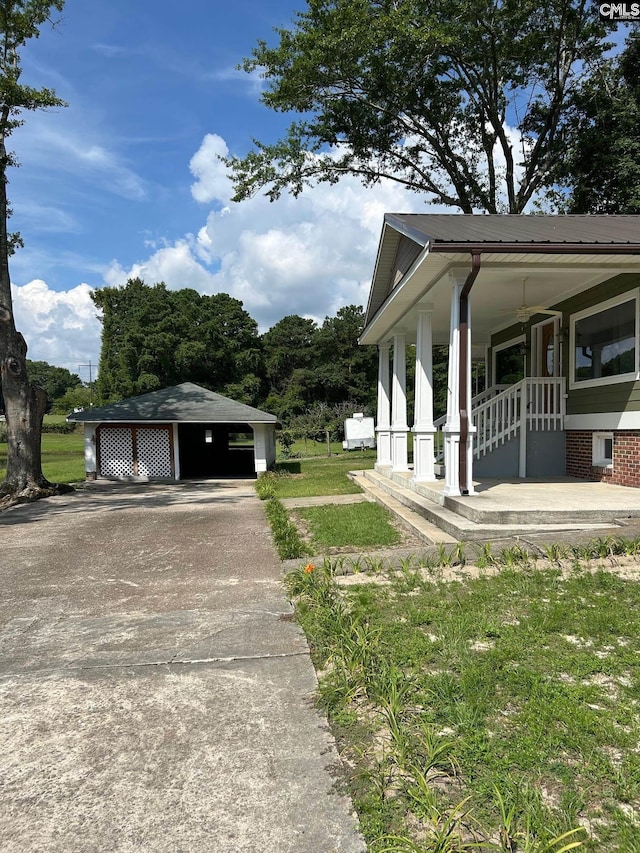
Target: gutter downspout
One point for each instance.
(463, 374)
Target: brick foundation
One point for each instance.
(626, 457)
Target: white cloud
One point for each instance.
(308, 255)
(175, 265)
(47, 144)
(59, 327)
(212, 183)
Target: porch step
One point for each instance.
(419, 523)
(409, 501)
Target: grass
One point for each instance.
(286, 538)
(362, 525)
(297, 478)
(62, 455)
(498, 710)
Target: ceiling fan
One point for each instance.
(525, 312)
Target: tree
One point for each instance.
(463, 100)
(601, 167)
(24, 402)
(288, 346)
(153, 337)
(346, 370)
(55, 381)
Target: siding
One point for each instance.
(616, 397)
(407, 252)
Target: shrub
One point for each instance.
(285, 534)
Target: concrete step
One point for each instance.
(439, 514)
(417, 522)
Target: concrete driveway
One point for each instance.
(154, 693)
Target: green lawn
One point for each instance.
(322, 476)
(361, 525)
(62, 455)
(501, 710)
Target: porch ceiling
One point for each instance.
(497, 291)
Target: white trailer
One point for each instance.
(359, 432)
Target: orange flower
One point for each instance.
(309, 568)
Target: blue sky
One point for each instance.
(125, 180)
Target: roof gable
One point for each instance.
(186, 402)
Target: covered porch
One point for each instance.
(476, 284)
(536, 508)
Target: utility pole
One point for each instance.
(90, 366)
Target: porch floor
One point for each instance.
(509, 507)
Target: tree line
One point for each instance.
(153, 337)
(310, 375)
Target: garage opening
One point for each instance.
(216, 450)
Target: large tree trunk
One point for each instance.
(24, 403)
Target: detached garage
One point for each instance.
(178, 433)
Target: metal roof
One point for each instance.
(583, 251)
(511, 228)
(186, 402)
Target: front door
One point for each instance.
(546, 365)
(547, 361)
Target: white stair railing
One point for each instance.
(534, 403)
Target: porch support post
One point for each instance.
(90, 455)
(399, 427)
(451, 427)
(423, 429)
(383, 430)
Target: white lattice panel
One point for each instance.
(116, 452)
(154, 453)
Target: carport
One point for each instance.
(182, 432)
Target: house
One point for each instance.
(176, 433)
(551, 304)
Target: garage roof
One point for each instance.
(181, 403)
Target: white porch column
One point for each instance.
(451, 427)
(423, 429)
(399, 427)
(383, 429)
(260, 449)
(90, 455)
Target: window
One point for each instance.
(508, 362)
(602, 454)
(604, 343)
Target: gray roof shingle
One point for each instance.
(186, 402)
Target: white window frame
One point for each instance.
(599, 459)
(536, 334)
(628, 296)
(521, 339)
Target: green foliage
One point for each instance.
(285, 534)
(79, 397)
(153, 337)
(56, 381)
(307, 365)
(265, 486)
(601, 165)
(421, 92)
(59, 428)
